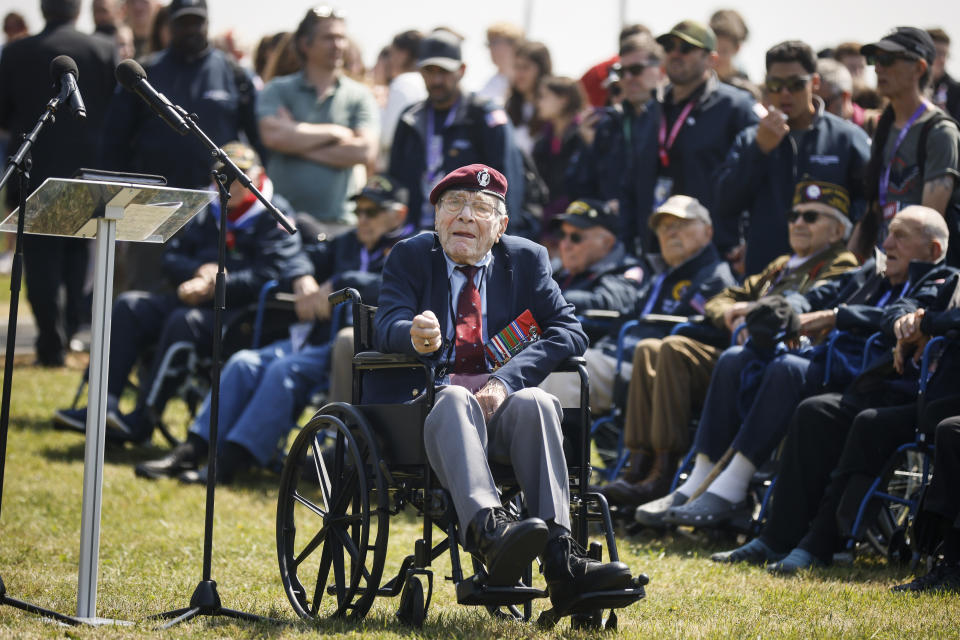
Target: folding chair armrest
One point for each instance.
(378, 359)
(343, 295)
(928, 351)
(571, 364)
(265, 290)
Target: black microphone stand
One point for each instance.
(20, 163)
(205, 600)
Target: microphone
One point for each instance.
(63, 71)
(133, 78)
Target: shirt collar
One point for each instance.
(452, 266)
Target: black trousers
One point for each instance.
(835, 441)
(54, 270)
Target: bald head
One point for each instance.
(933, 224)
(915, 234)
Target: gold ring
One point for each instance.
(426, 342)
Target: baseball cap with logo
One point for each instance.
(696, 33)
(587, 213)
(683, 207)
(827, 193)
(910, 40)
(440, 49)
(383, 190)
(473, 177)
(180, 8)
(241, 155)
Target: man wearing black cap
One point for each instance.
(63, 147)
(201, 79)
(451, 297)
(451, 129)
(701, 118)
(264, 391)
(319, 124)
(915, 157)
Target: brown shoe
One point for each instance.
(639, 466)
(655, 485)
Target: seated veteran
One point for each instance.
(744, 423)
(263, 391)
(444, 296)
(693, 273)
(595, 272)
(670, 376)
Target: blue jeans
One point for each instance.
(786, 380)
(262, 392)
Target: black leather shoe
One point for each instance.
(506, 545)
(183, 458)
(194, 476)
(570, 573)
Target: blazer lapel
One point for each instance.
(500, 292)
(439, 288)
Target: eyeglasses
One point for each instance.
(633, 69)
(367, 212)
(575, 238)
(793, 84)
(324, 12)
(676, 43)
(886, 59)
(808, 216)
(454, 204)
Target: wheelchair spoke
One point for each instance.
(309, 505)
(353, 551)
(311, 546)
(322, 475)
(322, 573)
(338, 573)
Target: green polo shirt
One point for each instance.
(310, 187)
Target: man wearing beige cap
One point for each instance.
(694, 273)
(670, 376)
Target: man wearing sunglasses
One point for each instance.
(915, 158)
(621, 143)
(699, 120)
(796, 140)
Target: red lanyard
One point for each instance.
(667, 143)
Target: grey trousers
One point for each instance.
(524, 433)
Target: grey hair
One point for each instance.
(836, 76)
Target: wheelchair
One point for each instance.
(336, 501)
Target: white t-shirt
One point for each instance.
(496, 89)
(406, 89)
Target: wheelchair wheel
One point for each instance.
(888, 534)
(337, 498)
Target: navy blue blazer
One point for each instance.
(520, 278)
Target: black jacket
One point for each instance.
(211, 86)
(26, 87)
(720, 113)
(602, 286)
(480, 132)
(831, 150)
(261, 251)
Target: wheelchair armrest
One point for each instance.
(344, 295)
(376, 358)
(571, 364)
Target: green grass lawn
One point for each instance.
(151, 551)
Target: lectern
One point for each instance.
(108, 208)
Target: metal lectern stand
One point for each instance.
(108, 211)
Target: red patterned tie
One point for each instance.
(468, 344)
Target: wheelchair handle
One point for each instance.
(343, 295)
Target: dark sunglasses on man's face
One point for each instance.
(676, 43)
(633, 69)
(576, 237)
(367, 212)
(808, 216)
(793, 84)
(886, 58)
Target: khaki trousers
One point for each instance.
(669, 381)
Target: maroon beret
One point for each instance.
(473, 177)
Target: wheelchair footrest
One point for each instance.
(615, 599)
(475, 592)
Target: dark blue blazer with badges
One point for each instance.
(519, 278)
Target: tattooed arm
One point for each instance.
(937, 192)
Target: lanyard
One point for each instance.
(654, 294)
(882, 302)
(666, 144)
(885, 178)
(435, 147)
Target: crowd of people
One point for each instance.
(664, 185)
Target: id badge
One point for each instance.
(890, 209)
(662, 190)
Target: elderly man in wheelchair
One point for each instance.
(445, 298)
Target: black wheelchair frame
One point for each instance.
(353, 490)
